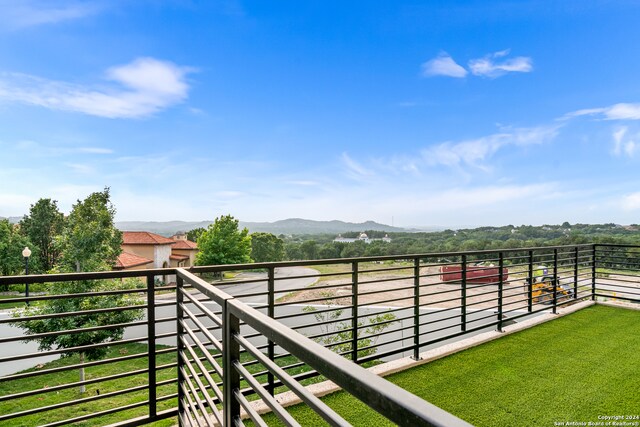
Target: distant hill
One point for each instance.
(12, 219)
(286, 226)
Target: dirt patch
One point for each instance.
(398, 291)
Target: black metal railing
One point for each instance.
(207, 348)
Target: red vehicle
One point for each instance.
(477, 273)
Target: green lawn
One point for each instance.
(10, 304)
(575, 368)
(54, 397)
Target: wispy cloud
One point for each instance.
(631, 202)
(55, 151)
(95, 150)
(622, 143)
(621, 111)
(443, 65)
(18, 14)
(474, 152)
(80, 168)
(355, 169)
(491, 66)
(142, 88)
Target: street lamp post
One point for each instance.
(26, 253)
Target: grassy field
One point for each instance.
(10, 304)
(53, 397)
(47, 381)
(575, 368)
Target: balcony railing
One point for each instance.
(213, 352)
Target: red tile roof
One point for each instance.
(127, 260)
(144, 238)
(179, 257)
(184, 245)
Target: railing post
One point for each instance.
(271, 292)
(575, 273)
(500, 286)
(593, 274)
(555, 281)
(231, 377)
(354, 311)
(416, 308)
(180, 349)
(151, 341)
(530, 287)
(463, 278)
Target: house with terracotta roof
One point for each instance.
(142, 249)
(183, 251)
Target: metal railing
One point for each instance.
(207, 349)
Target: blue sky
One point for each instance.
(455, 113)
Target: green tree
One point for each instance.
(11, 245)
(89, 242)
(354, 249)
(337, 335)
(224, 243)
(309, 249)
(266, 247)
(194, 234)
(292, 250)
(43, 224)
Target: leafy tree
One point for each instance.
(194, 234)
(224, 243)
(331, 250)
(43, 224)
(292, 251)
(266, 247)
(354, 249)
(309, 249)
(11, 245)
(337, 335)
(89, 242)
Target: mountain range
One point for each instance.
(286, 226)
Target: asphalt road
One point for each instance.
(284, 282)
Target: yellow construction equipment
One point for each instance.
(543, 285)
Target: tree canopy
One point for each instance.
(11, 245)
(266, 247)
(41, 227)
(224, 243)
(90, 241)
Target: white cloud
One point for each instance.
(622, 145)
(474, 152)
(80, 168)
(143, 88)
(631, 202)
(443, 65)
(621, 111)
(17, 14)
(95, 150)
(355, 169)
(489, 67)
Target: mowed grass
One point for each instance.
(103, 388)
(574, 368)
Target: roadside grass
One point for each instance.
(339, 271)
(10, 304)
(573, 369)
(101, 388)
(47, 381)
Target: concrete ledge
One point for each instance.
(619, 304)
(322, 389)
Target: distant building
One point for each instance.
(362, 236)
(143, 250)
